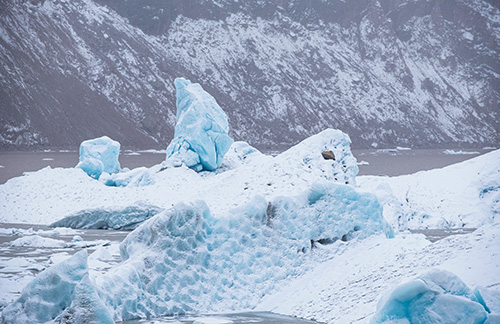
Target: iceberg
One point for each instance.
(124, 218)
(62, 293)
(201, 134)
(184, 259)
(437, 296)
(99, 155)
(44, 298)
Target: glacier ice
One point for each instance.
(99, 155)
(86, 306)
(110, 218)
(201, 134)
(44, 298)
(437, 296)
(184, 259)
(62, 293)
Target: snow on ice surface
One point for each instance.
(201, 134)
(99, 155)
(436, 297)
(465, 194)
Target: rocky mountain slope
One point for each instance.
(402, 72)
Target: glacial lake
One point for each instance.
(370, 162)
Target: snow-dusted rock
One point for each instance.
(437, 296)
(201, 134)
(99, 155)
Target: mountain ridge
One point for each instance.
(419, 74)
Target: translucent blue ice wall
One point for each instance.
(201, 134)
(99, 155)
(184, 259)
(436, 297)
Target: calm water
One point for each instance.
(373, 162)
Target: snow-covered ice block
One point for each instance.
(437, 296)
(137, 177)
(201, 134)
(99, 155)
(38, 241)
(184, 259)
(110, 218)
(306, 157)
(240, 153)
(46, 296)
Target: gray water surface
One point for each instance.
(237, 318)
(372, 162)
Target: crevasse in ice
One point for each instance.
(437, 296)
(99, 155)
(184, 259)
(201, 133)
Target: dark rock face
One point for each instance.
(409, 73)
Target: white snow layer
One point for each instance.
(466, 194)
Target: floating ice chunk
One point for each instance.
(86, 306)
(99, 155)
(437, 296)
(453, 152)
(201, 134)
(38, 241)
(46, 296)
(110, 218)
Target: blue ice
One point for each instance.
(60, 288)
(99, 155)
(437, 296)
(201, 134)
(184, 259)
